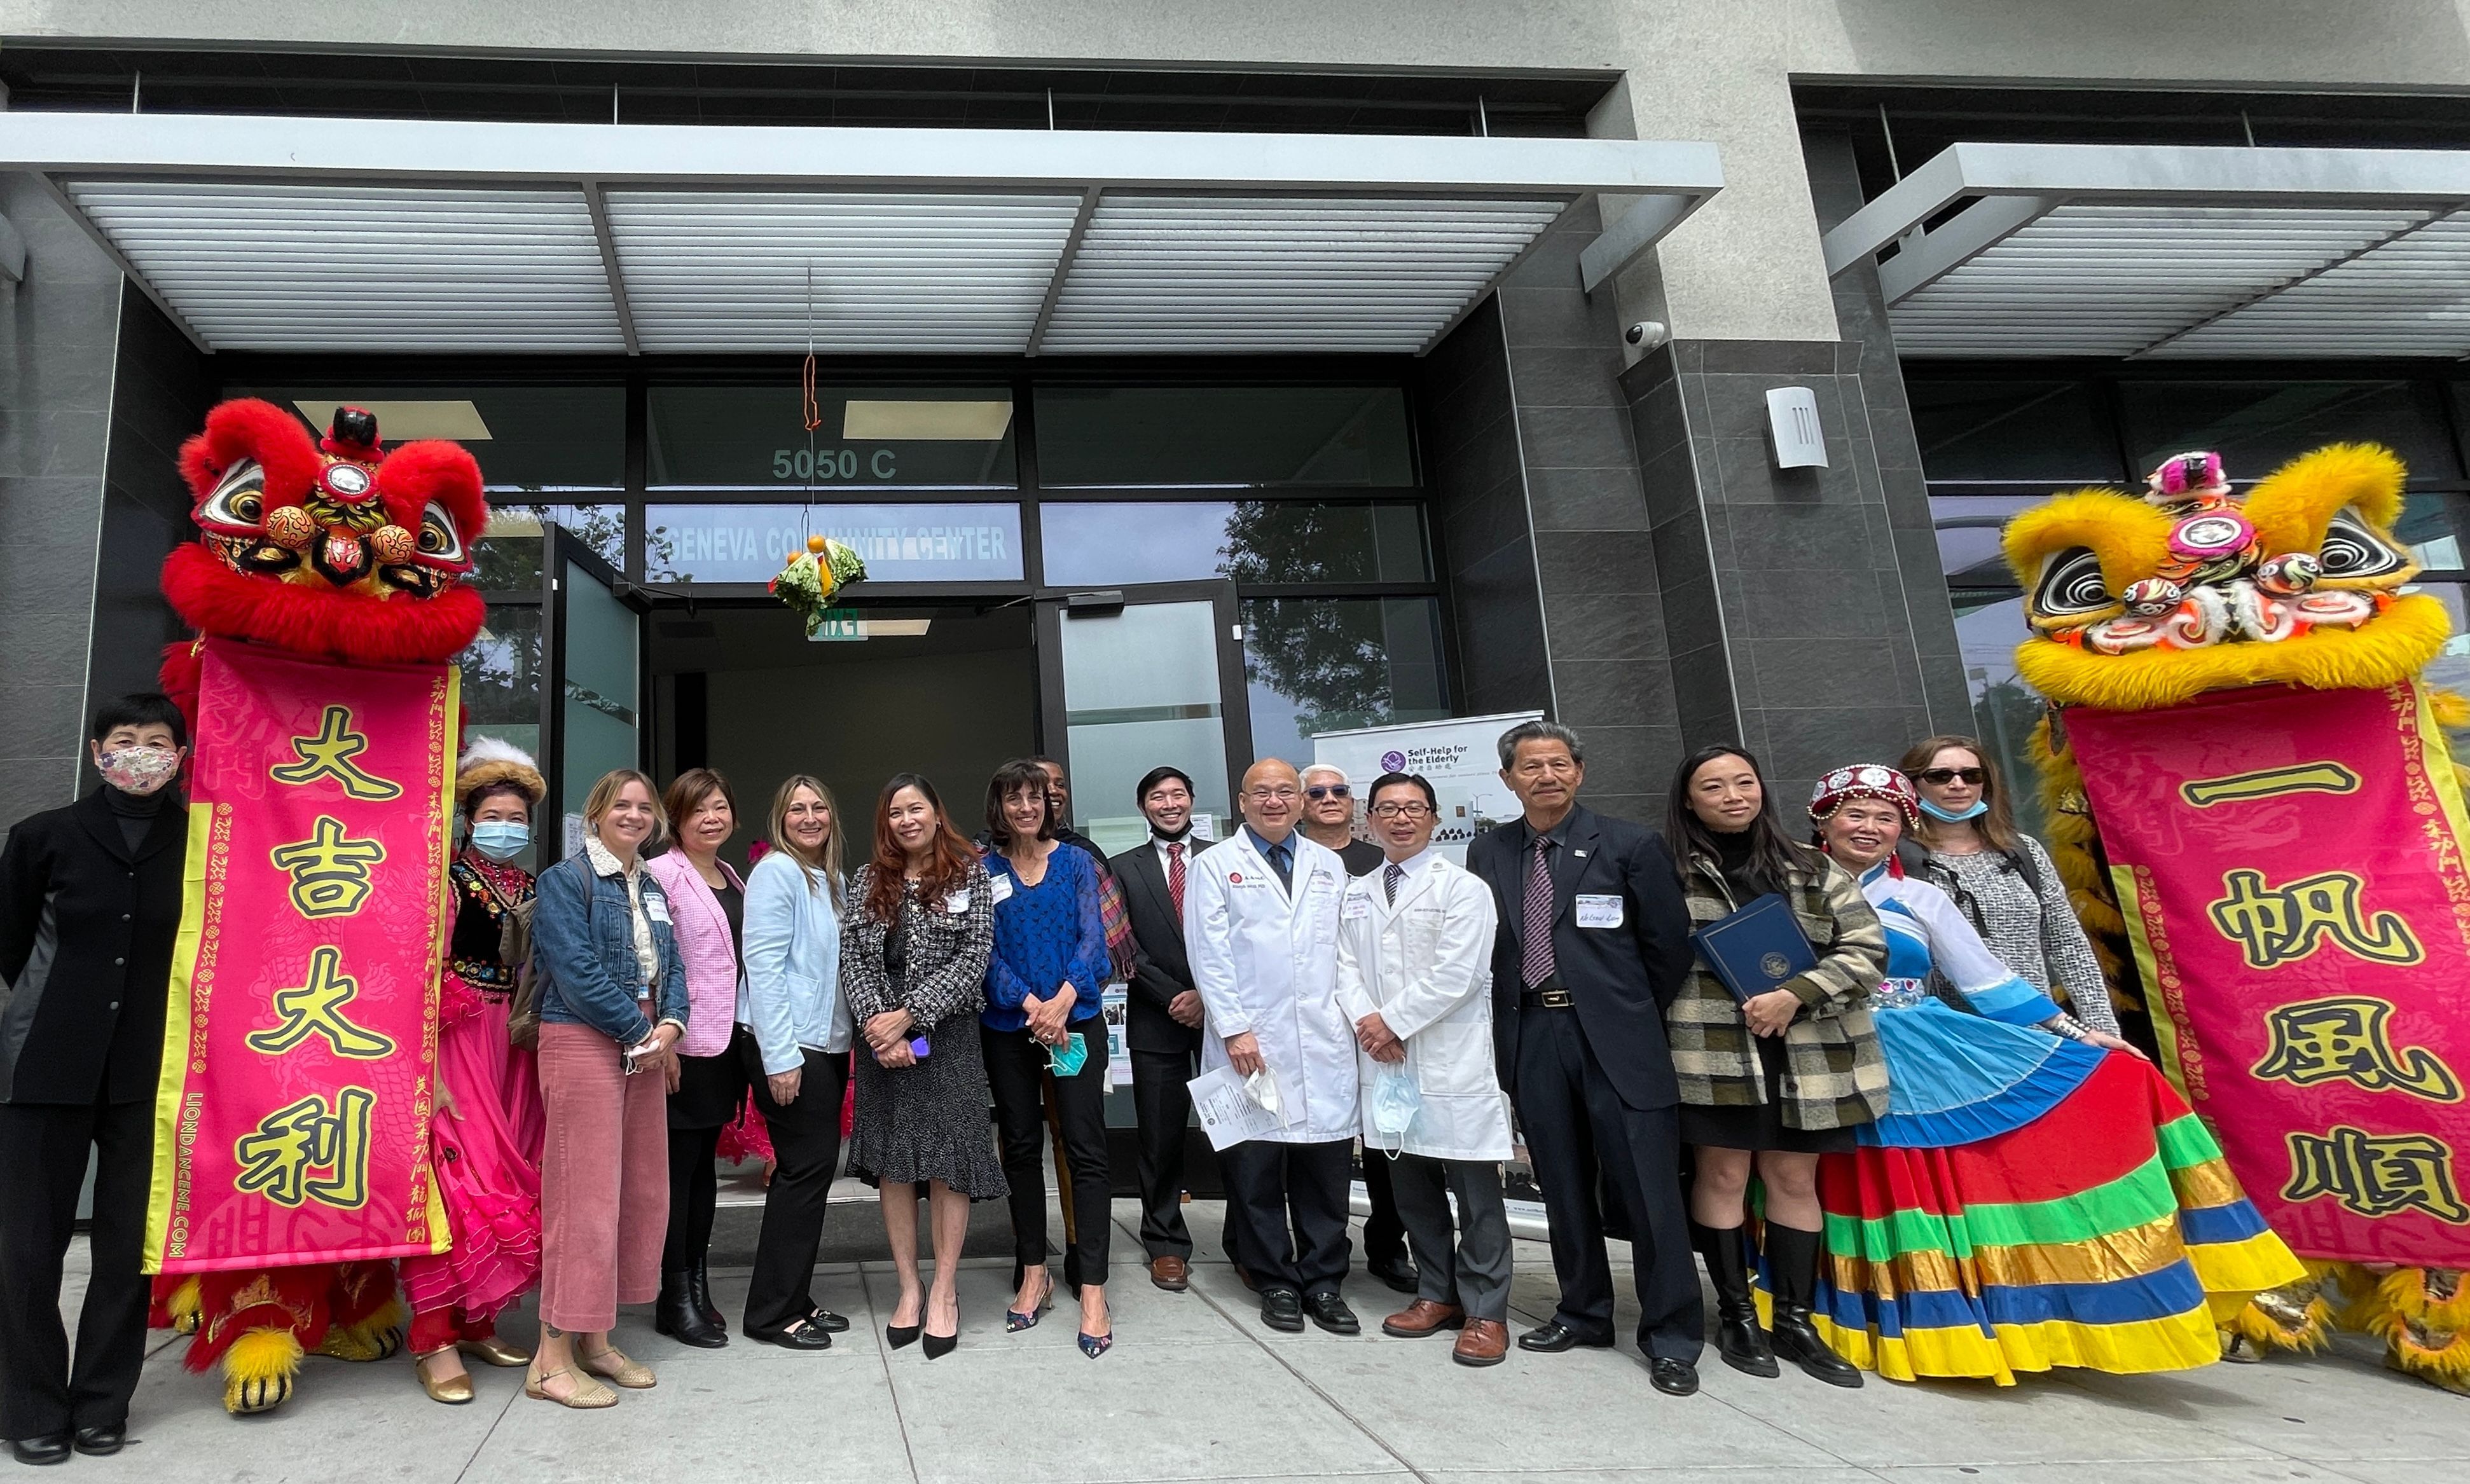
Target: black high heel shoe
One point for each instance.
(938, 1346)
(900, 1336)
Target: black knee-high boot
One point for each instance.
(1792, 1266)
(1738, 1339)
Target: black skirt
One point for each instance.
(710, 1090)
(1762, 1127)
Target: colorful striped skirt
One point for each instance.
(2107, 1234)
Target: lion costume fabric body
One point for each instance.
(338, 552)
(2190, 600)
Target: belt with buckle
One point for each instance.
(1544, 999)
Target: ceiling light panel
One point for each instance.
(753, 271)
(266, 265)
(2117, 280)
(1218, 274)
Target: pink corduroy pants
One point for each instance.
(604, 1180)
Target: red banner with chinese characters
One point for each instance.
(293, 1124)
(2291, 865)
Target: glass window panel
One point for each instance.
(1323, 664)
(509, 556)
(755, 437)
(502, 684)
(1970, 527)
(2451, 669)
(600, 708)
(526, 438)
(2258, 425)
(2004, 709)
(1252, 541)
(900, 542)
(1221, 437)
(2431, 525)
(2000, 430)
(1141, 691)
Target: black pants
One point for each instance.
(1385, 1234)
(1162, 1101)
(1288, 1205)
(710, 1092)
(806, 1145)
(42, 1167)
(1576, 1125)
(1017, 1076)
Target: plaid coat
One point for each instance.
(1834, 1076)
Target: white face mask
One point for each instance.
(1396, 1100)
(139, 770)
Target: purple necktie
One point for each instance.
(1538, 938)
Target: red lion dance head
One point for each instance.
(335, 549)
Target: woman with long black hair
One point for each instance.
(1774, 1081)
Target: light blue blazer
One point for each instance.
(791, 995)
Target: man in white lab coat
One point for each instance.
(1260, 929)
(1414, 976)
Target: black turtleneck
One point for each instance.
(1736, 856)
(136, 812)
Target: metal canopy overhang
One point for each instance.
(260, 233)
(2172, 252)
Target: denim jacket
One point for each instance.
(583, 935)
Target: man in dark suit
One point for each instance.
(89, 910)
(1593, 943)
(1163, 1016)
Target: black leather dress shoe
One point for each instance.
(825, 1320)
(1283, 1308)
(1672, 1378)
(1397, 1271)
(54, 1446)
(1553, 1337)
(103, 1441)
(1331, 1313)
(803, 1334)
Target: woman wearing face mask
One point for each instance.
(708, 1084)
(1044, 980)
(2037, 1196)
(1778, 1080)
(793, 1033)
(914, 953)
(485, 1135)
(1967, 845)
(612, 1005)
(89, 908)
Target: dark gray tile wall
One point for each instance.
(159, 397)
(59, 335)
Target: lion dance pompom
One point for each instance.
(2251, 799)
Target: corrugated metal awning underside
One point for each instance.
(1176, 252)
(2125, 251)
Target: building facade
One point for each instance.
(1198, 376)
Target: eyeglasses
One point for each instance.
(1283, 791)
(1412, 810)
(1942, 776)
(1328, 791)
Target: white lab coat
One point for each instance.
(1425, 966)
(1265, 960)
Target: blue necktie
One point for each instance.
(1281, 860)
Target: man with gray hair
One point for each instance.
(1594, 942)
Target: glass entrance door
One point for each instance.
(592, 695)
(1143, 677)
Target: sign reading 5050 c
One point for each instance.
(831, 463)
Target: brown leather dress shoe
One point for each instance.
(1483, 1342)
(1170, 1273)
(1423, 1317)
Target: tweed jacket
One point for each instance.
(944, 947)
(1835, 1076)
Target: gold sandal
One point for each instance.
(453, 1390)
(493, 1351)
(622, 1370)
(586, 1395)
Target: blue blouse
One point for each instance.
(1046, 935)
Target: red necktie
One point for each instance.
(1175, 874)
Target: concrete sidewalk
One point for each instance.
(1196, 1390)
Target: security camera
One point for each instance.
(1647, 334)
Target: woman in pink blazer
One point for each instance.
(708, 1077)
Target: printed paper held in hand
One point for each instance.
(1229, 1113)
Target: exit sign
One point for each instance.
(837, 625)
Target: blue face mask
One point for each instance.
(1980, 807)
(500, 839)
(1069, 1057)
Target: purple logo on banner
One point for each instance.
(1393, 762)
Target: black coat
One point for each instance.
(1160, 970)
(86, 930)
(1619, 979)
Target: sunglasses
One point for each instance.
(1945, 775)
(1329, 791)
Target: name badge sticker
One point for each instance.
(1595, 911)
(655, 908)
(957, 903)
(999, 893)
(1355, 907)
